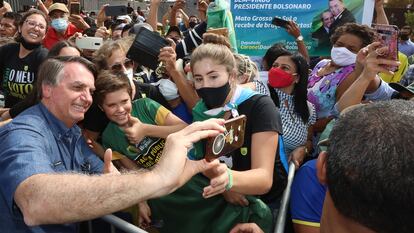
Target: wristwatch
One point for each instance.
(299, 39)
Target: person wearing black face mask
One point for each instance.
(405, 45)
(253, 165)
(19, 62)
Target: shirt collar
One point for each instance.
(58, 128)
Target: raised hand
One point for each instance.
(109, 168)
(134, 130)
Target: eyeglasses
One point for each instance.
(33, 24)
(128, 63)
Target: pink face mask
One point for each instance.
(279, 78)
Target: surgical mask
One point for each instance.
(130, 74)
(214, 97)
(168, 89)
(60, 24)
(279, 78)
(342, 56)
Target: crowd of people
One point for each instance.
(86, 132)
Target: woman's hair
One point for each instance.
(214, 38)
(273, 53)
(245, 66)
(55, 50)
(101, 56)
(218, 53)
(108, 82)
(24, 18)
(300, 91)
(363, 32)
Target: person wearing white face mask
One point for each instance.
(331, 77)
(60, 27)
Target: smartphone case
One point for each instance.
(280, 22)
(92, 43)
(388, 36)
(227, 142)
(146, 48)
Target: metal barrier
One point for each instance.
(281, 217)
(121, 224)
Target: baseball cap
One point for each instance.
(58, 6)
(174, 29)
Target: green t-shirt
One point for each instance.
(148, 151)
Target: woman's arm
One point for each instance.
(259, 179)
(153, 14)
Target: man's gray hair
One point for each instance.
(51, 71)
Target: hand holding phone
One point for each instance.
(227, 142)
(280, 22)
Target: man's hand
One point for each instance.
(246, 228)
(101, 17)
(144, 218)
(6, 8)
(134, 130)
(109, 168)
(79, 22)
(174, 168)
(235, 198)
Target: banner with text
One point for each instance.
(255, 33)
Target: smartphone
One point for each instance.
(146, 48)
(280, 22)
(388, 36)
(227, 142)
(75, 8)
(92, 43)
(115, 10)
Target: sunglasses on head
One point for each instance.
(128, 63)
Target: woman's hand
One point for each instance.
(293, 29)
(144, 214)
(375, 62)
(298, 155)
(235, 198)
(219, 178)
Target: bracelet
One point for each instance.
(230, 184)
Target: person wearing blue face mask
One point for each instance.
(60, 27)
(331, 77)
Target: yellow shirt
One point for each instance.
(399, 73)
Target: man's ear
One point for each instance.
(46, 91)
(321, 167)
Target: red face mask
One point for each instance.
(279, 78)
